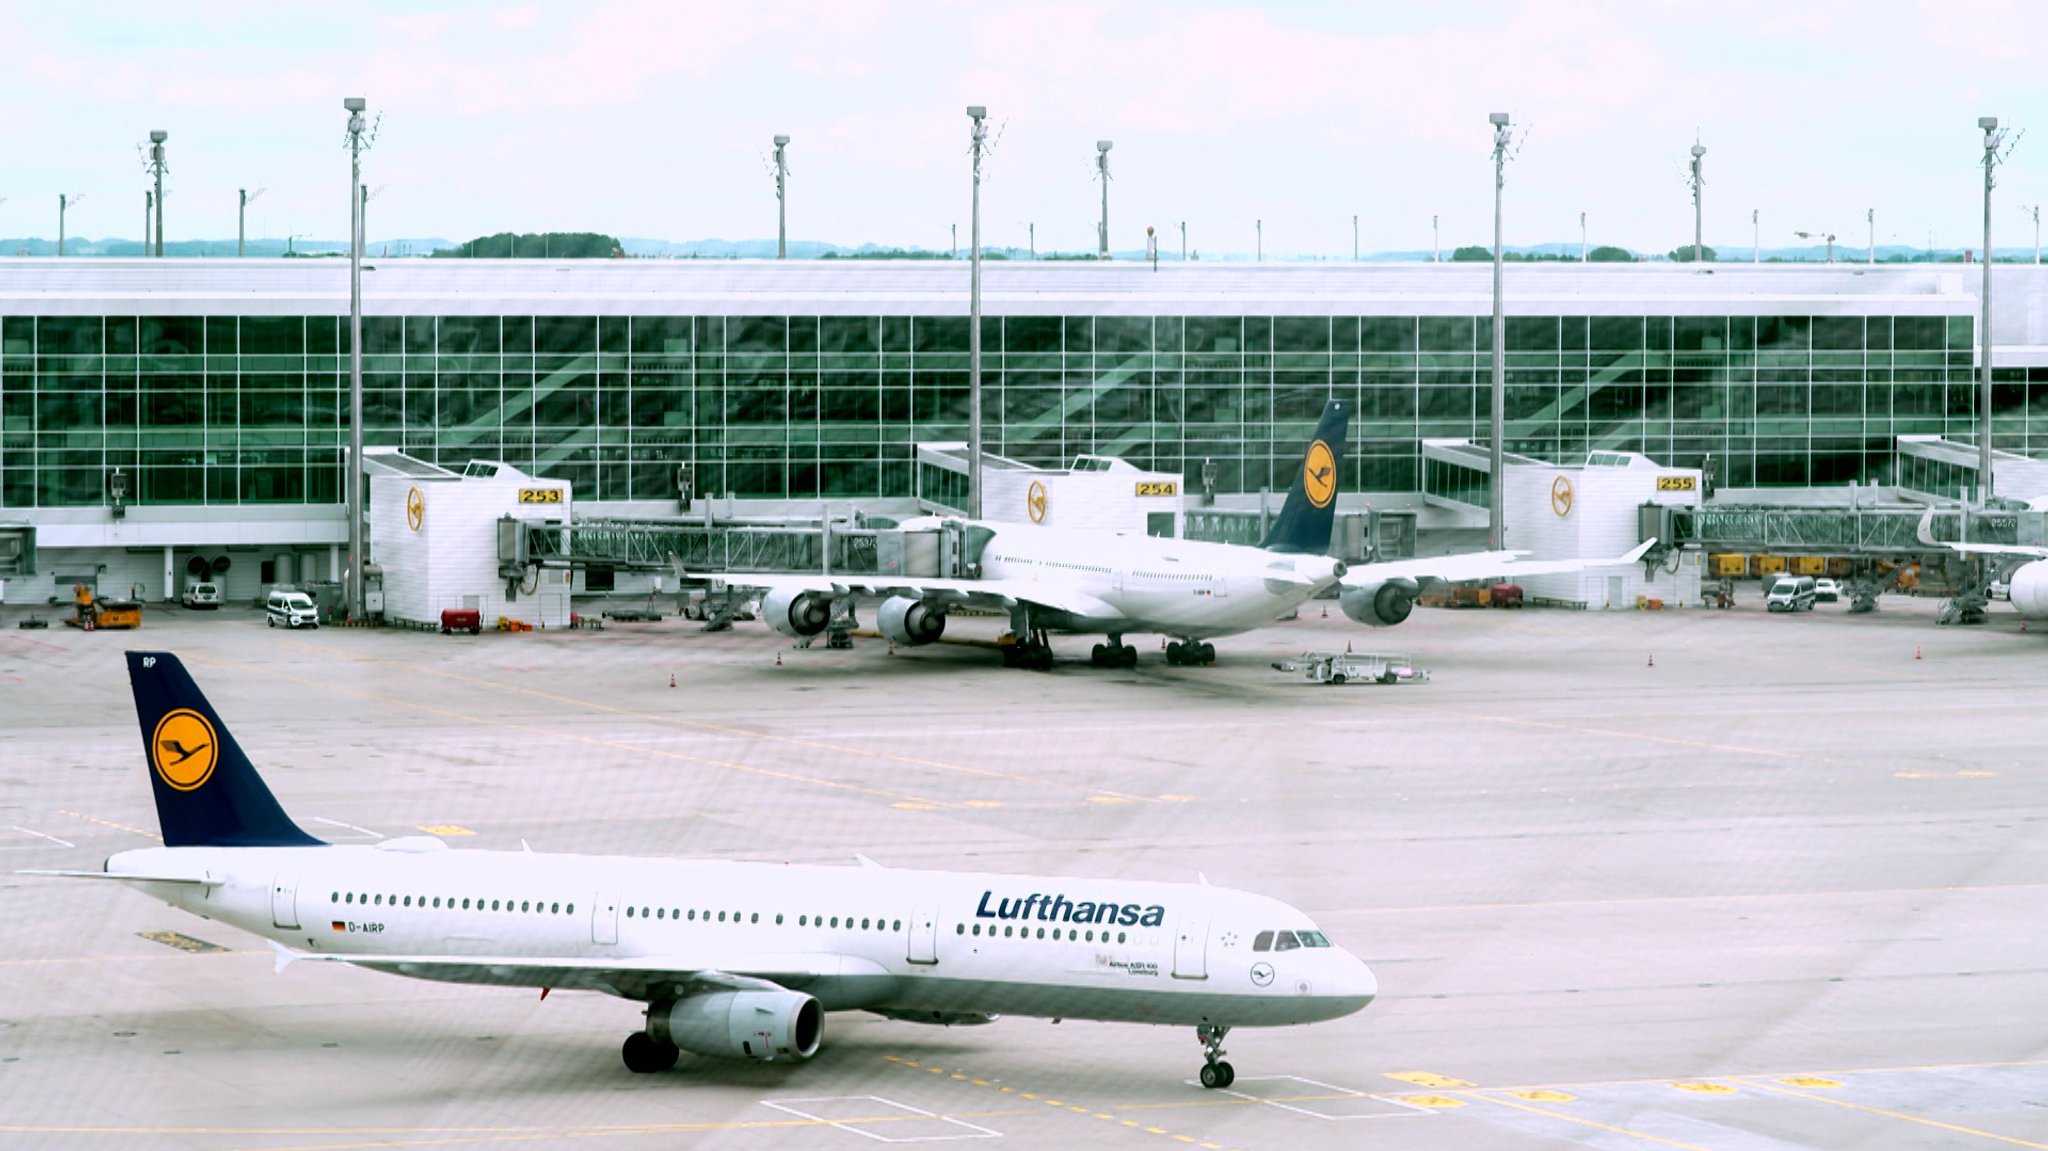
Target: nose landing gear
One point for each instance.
(1216, 1074)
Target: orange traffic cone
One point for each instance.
(1347, 647)
(1653, 659)
(1916, 651)
(671, 679)
(1326, 611)
(778, 659)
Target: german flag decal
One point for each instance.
(340, 926)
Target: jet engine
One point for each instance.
(764, 1025)
(1380, 604)
(910, 621)
(2029, 590)
(797, 614)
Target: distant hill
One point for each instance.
(215, 249)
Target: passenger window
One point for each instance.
(1119, 937)
(661, 913)
(977, 929)
(721, 917)
(959, 929)
(1055, 935)
(554, 909)
(335, 898)
(379, 901)
(437, 901)
(1008, 932)
(754, 918)
(896, 925)
(778, 919)
(835, 921)
(803, 921)
(629, 913)
(572, 909)
(1263, 941)
(351, 898)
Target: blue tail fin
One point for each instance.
(207, 792)
(1311, 509)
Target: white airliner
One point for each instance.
(736, 960)
(2027, 586)
(1114, 584)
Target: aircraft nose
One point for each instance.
(1357, 983)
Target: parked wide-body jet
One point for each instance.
(731, 959)
(1051, 580)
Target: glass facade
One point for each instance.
(249, 410)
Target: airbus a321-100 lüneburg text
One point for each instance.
(1114, 584)
(731, 959)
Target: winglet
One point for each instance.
(284, 956)
(866, 862)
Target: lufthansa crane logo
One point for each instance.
(1561, 496)
(1034, 502)
(183, 749)
(1262, 974)
(1319, 474)
(415, 509)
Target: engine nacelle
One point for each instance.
(797, 615)
(763, 1025)
(910, 621)
(1380, 604)
(2029, 591)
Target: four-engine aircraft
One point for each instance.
(1114, 584)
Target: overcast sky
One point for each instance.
(654, 118)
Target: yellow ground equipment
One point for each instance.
(92, 612)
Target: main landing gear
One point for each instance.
(1115, 653)
(1030, 652)
(1191, 653)
(1216, 1074)
(644, 1052)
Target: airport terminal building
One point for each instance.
(164, 404)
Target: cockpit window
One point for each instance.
(1313, 939)
(1263, 941)
(1285, 941)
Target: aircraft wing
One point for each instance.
(989, 594)
(1482, 565)
(629, 977)
(203, 879)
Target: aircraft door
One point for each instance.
(1191, 948)
(604, 919)
(284, 901)
(924, 936)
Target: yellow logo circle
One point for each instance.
(184, 749)
(415, 509)
(1034, 502)
(1319, 474)
(1561, 495)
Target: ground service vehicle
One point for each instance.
(1790, 593)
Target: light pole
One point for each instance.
(979, 115)
(2035, 212)
(64, 204)
(1354, 237)
(1992, 139)
(1582, 237)
(1436, 251)
(353, 590)
(956, 241)
(1496, 528)
(781, 204)
(1756, 237)
(1698, 249)
(1870, 218)
(1102, 148)
(242, 216)
(148, 209)
(156, 166)
(1183, 241)
(1259, 252)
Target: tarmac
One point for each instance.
(1700, 879)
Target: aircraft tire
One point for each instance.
(1127, 656)
(1338, 679)
(1205, 653)
(1228, 1074)
(646, 1055)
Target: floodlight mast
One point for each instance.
(242, 217)
(1756, 237)
(1870, 218)
(354, 106)
(1582, 237)
(148, 209)
(1698, 155)
(1102, 148)
(2035, 211)
(979, 114)
(1992, 139)
(65, 203)
(781, 201)
(156, 166)
(1496, 527)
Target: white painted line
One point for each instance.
(40, 835)
(350, 826)
(849, 1125)
(1348, 1093)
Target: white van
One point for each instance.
(1791, 593)
(202, 594)
(290, 608)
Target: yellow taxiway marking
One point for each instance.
(1584, 1122)
(1699, 1088)
(112, 824)
(1808, 1081)
(1900, 1115)
(1427, 1079)
(445, 830)
(1543, 1096)
(1433, 1102)
(1060, 1104)
(1967, 774)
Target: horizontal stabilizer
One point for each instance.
(201, 880)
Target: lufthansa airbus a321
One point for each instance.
(731, 959)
